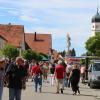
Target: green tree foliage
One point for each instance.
(73, 53)
(31, 55)
(0, 52)
(38, 57)
(63, 53)
(82, 61)
(93, 45)
(10, 51)
(44, 55)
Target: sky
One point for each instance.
(56, 17)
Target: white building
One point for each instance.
(2, 42)
(95, 23)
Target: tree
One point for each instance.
(63, 53)
(82, 61)
(31, 55)
(0, 52)
(44, 55)
(38, 57)
(10, 51)
(73, 53)
(93, 45)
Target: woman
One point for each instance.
(2, 65)
(52, 70)
(74, 79)
(45, 71)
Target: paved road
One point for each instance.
(49, 93)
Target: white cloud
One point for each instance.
(28, 18)
(54, 16)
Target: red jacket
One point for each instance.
(59, 71)
(36, 70)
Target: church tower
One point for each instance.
(95, 23)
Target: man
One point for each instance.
(16, 76)
(59, 73)
(37, 74)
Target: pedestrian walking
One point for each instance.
(37, 74)
(59, 74)
(15, 75)
(52, 70)
(2, 67)
(74, 79)
(68, 70)
(26, 67)
(31, 64)
(83, 70)
(45, 71)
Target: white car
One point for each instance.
(94, 74)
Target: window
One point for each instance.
(96, 67)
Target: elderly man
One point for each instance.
(16, 75)
(59, 73)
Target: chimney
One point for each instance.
(9, 23)
(35, 36)
(8, 27)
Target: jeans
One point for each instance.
(38, 81)
(14, 94)
(1, 91)
(65, 81)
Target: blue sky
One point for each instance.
(57, 17)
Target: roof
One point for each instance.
(96, 18)
(14, 34)
(3, 38)
(42, 43)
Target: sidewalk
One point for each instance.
(49, 93)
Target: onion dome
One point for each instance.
(96, 18)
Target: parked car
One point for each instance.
(94, 74)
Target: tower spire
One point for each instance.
(97, 7)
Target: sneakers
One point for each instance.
(74, 93)
(40, 90)
(61, 91)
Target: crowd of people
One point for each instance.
(15, 74)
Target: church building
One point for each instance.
(95, 23)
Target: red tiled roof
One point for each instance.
(14, 34)
(42, 44)
(3, 38)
